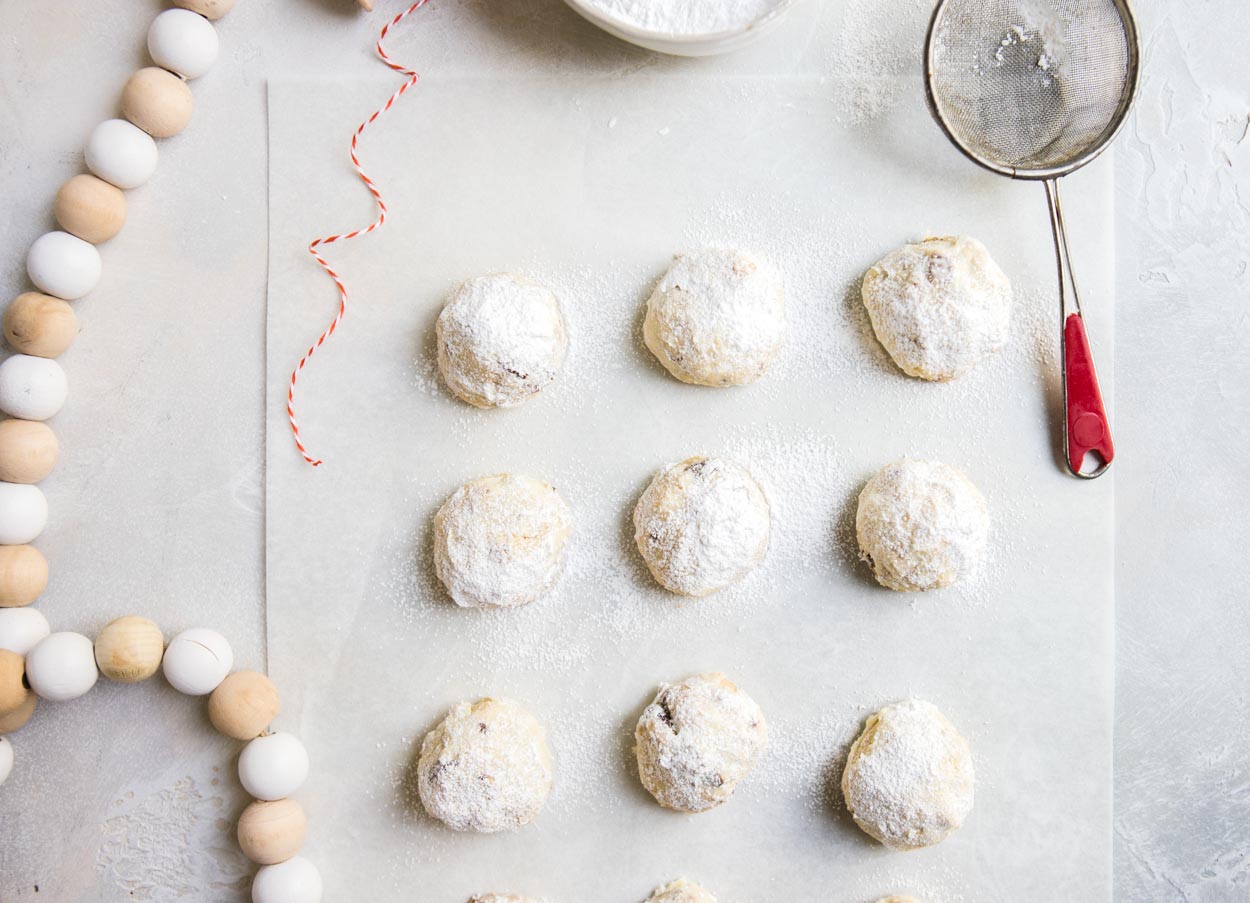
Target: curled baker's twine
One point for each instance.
(411, 79)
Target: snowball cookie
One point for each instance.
(898, 899)
(501, 898)
(499, 541)
(501, 340)
(701, 525)
(908, 778)
(680, 891)
(939, 306)
(696, 741)
(717, 318)
(485, 768)
(922, 525)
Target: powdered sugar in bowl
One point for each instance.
(685, 27)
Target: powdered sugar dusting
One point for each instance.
(909, 779)
(873, 56)
(486, 767)
(501, 340)
(939, 306)
(717, 318)
(922, 525)
(830, 411)
(697, 741)
(701, 525)
(499, 541)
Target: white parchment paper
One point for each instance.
(591, 185)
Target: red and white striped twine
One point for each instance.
(411, 79)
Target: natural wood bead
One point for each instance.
(243, 705)
(129, 649)
(209, 9)
(17, 719)
(13, 689)
(272, 832)
(90, 208)
(158, 102)
(40, 325)
(23, 575)
(28, 450)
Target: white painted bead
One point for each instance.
(22, 629)
(32, 388)
(63, 265)
(183, 43)
(61, 667)
(273, 766)
(6, 759)
(197, 660)
(23, 513)
(121, 153)
(294, 881)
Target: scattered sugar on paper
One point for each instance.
(875, 56)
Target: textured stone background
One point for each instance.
(158, 501)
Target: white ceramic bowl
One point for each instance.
(683, 45)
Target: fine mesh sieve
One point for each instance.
(1035, 89)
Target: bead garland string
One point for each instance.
(36, 663)
(314, 248)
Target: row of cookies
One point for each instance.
(701, 525)
(718, 318)
(679, 891)
(908, 780)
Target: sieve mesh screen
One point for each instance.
(1032, 84)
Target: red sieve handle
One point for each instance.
(1085, 416)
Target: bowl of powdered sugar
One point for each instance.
(684, 27)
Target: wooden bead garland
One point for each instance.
(23, 513)
(22, 629)
(90, 208)
(272, 831)
(23, 575)
(16, 720)
(63, 265)
(32, 388)
(158, 102)
(197, 661)
(209, 9)
(121, 153)
(244, 705)
(183, 42)
(273, 766)
(294, 881)
(28, 450)
(129, 649)
(39, 325)
(14, 692)
(62, 667)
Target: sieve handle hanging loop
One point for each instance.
(1085, 425)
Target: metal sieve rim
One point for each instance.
(1132, 80)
